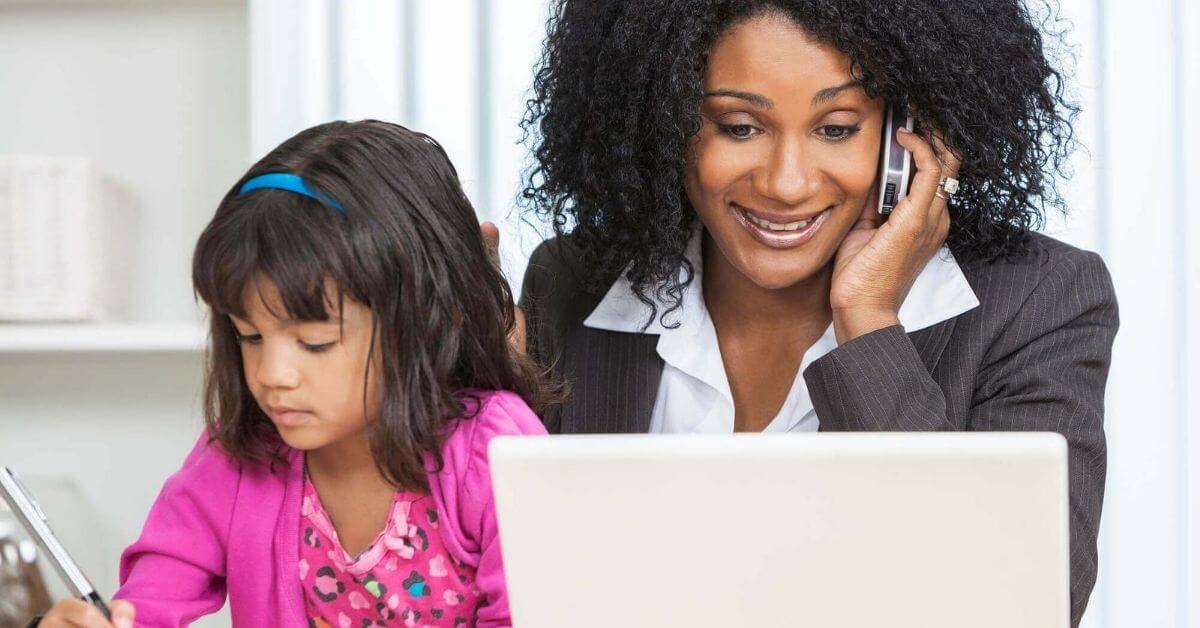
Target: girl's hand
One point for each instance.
(491, 240)
(75, 613)
(878, 261)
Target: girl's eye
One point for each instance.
(837, 133)
(251, 339)
(318, 348)
(738, 131)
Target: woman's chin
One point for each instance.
(775, 278)
(780, 270)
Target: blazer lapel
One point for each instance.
(613, 378)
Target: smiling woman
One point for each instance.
(711, 170)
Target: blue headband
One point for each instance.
(290, 183)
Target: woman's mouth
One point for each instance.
(778, 235)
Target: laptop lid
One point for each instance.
(855, 530)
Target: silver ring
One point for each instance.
(938, 194)
(949, 184)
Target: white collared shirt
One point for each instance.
(693, 394)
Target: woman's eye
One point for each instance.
(317, 348)
(248, 339)
(836, 132)
(738, 131)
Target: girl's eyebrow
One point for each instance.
(292, 322)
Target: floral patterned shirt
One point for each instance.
(405, 577)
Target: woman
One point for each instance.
(720, 265)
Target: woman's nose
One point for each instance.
(787, 176)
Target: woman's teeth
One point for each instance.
(772, 226)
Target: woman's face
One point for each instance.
(787, 155)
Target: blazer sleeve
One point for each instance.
(175, 572)
(1045, 371)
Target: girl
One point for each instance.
(359, 366)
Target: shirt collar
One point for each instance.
(939, 293)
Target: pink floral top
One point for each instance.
(404, 577)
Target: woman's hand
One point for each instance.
(75, 613)
(491, 240)
(876, 264)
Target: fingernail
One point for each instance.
(904, 130)
(123, 622)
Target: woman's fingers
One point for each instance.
(929, 171)
(491, 240)
(491, 234)
(950, 160)
(869, 217)
(939, 210)
(517, 338)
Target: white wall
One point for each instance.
(1145, 65)
(456, 69)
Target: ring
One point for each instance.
(949, 184)
(938, 193)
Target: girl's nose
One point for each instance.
(275, 370)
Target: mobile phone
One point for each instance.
(30, 514)
(895, 161)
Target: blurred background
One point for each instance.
(123, 122)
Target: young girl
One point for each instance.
(359, 366)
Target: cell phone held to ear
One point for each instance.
(895, 162)
(30, 514)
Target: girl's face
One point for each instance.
(309, 377)
(788, 138)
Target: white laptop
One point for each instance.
(822, 530)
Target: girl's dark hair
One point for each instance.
(618, 90)
(408, 247)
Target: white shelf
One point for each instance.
(101, 338)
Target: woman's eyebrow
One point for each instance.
(829, 93)
(822, 96)
(755, 99)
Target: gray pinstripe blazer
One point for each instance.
(1034, 356)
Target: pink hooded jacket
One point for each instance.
(222, 528)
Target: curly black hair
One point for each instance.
(617, 95)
